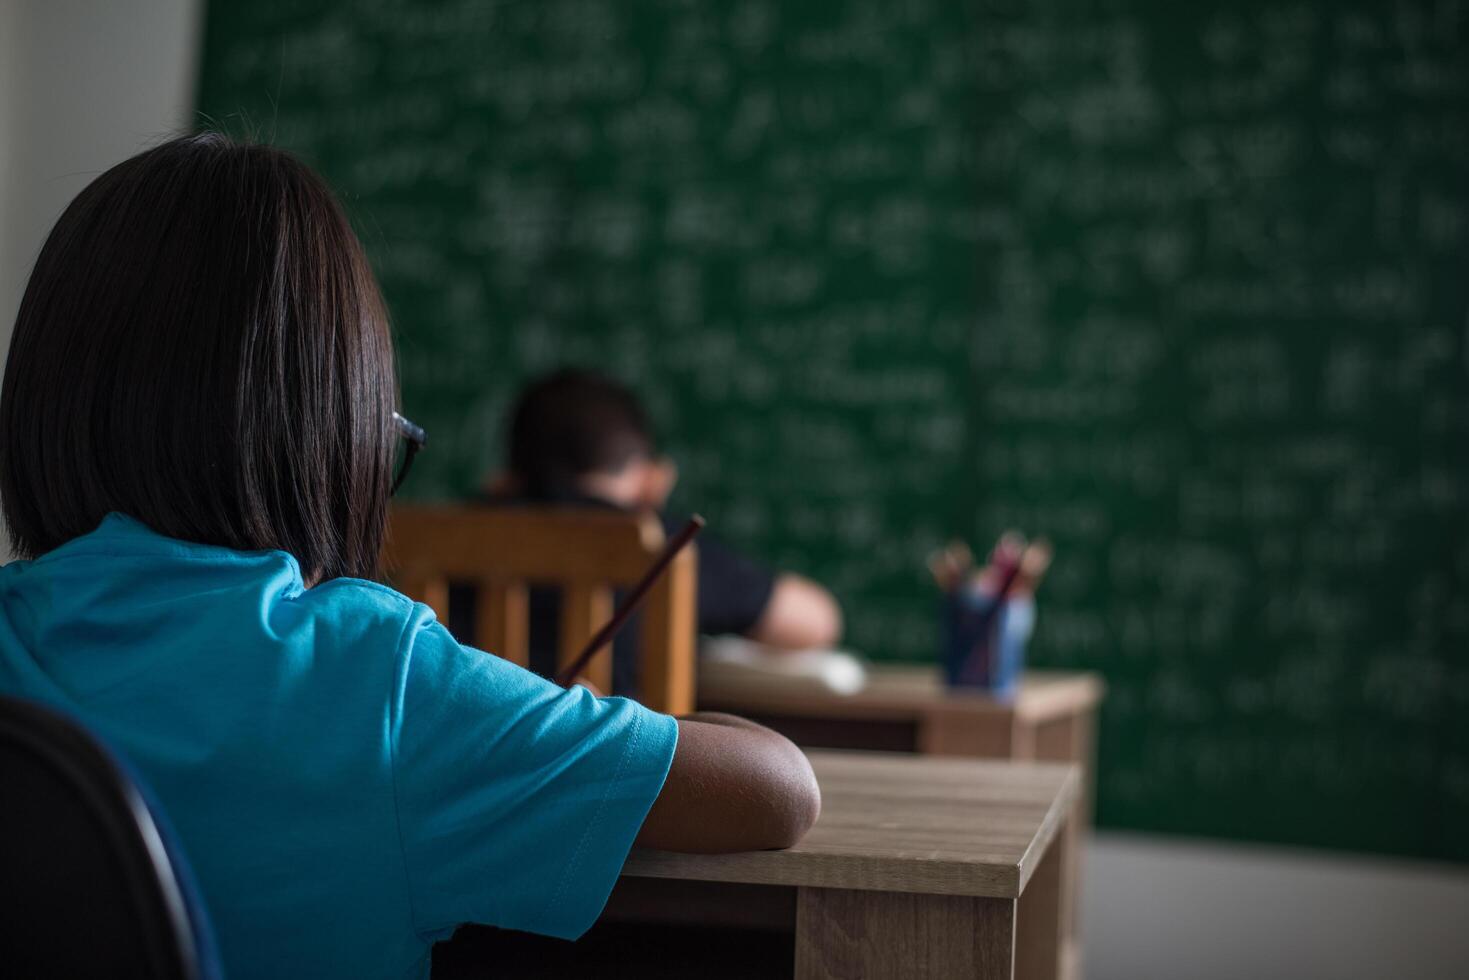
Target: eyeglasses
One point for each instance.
(414, 438)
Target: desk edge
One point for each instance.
(1062, 809)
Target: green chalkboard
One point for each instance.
(1182, 285)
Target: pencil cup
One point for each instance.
(984, 647)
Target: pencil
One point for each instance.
(568, 674)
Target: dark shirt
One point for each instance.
(732, 595)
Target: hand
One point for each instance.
(950, 566)
(1034, 562)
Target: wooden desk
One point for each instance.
(922, 868)
(910, 709)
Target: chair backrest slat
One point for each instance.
(430, 589)
(584, 608)
(670, 627)
(503, 619)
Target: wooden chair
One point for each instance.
(585, 553)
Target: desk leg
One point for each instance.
(842, 934)
(1042, 932)
(1073, 739)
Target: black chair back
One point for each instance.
(91, 884)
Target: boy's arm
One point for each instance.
(800, 615)
(733, 786)
(739, 595)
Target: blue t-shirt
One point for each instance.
(348, 782)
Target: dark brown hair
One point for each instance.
(202, 346)
(572, 423)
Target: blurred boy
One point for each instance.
(582, 439)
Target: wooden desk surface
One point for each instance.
(904, 692)
(905, 824)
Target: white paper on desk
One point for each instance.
(731, 663)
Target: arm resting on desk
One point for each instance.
(733, 786)
(800, 615)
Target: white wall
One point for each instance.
(10, 88)
(86, 83)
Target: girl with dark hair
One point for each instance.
(197, 435)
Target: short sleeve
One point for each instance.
(733, 589)
(517, 801)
